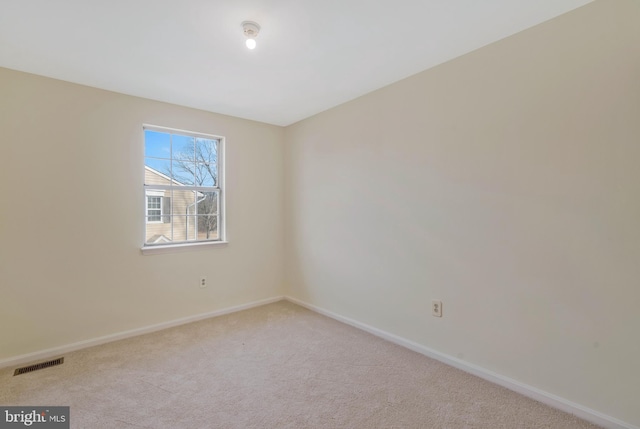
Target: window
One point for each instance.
(182, 187)
(154, 209)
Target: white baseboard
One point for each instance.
(554, 401)
(57, 351)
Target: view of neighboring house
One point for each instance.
(174, 215)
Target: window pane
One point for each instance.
(206, 151)
(159, 228)
(206, 156)
(183, 147)
(184, 172)
(206, 174)
(157, 145)
(207, 215)
(158, 233)
(207, 203)
(207, 227)
(157, 172)
(183, 202)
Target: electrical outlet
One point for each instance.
(203, 282)
(436, 308)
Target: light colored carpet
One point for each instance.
(275, 366)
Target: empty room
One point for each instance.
(300, 214)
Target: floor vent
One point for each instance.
(38, 366)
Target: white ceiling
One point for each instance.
(311, 55)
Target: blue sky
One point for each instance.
(161, 148)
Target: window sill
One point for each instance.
(175, 248)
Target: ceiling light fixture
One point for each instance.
(251, 30)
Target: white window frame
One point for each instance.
(154, 194)
(158, 190)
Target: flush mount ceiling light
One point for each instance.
(251, 30)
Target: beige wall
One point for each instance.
(71, 212)
(505, 183)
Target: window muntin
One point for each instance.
(183, 188)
